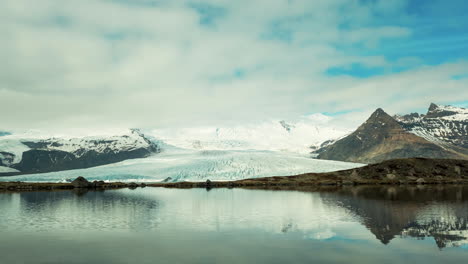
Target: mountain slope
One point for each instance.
(56, 154)
(446, 126)
(380, 138)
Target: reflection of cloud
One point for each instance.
(411, 212)
(326, 234)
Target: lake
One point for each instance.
(417, 224)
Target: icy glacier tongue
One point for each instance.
(197, 165)
(7, 169)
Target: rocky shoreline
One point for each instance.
(79, 183)
(414, 171)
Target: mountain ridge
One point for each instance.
(383, 137)
(446, 126)
(58, 154)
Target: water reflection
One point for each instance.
(397, 224)
(67, 210)
(439, 212)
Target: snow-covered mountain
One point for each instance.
(446, 126)
(441, 133)
(270, 148)
(32, 152)
(275, 135)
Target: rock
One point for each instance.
(420, 181)
(81, 182)
(457, 170)
(208, 185)
(391, 176)
(98, 184)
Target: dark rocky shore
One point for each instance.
(391, 172)
(418, 171)
(79, 183)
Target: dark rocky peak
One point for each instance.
(436, 111)
(379, 119)
(379, 114)
(432, 107)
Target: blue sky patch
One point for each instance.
(208, 13)
(356, 70)
(460, 76)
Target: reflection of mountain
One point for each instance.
(108, 210)
(440, 213)
(445, 234)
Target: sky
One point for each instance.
(156, 63)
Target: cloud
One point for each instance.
(178, 63)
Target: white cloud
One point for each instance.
(151, 63)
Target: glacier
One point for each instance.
(268, 148)
(196, 165)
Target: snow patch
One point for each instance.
(6, 169)
(296, 137)
(125, 141)
(14, 146)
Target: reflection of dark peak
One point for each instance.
(384, 218)
(385, 235)
(444, 240)
(445, 232)
(389, 212)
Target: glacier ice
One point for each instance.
(197, 165)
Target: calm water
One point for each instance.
(153, 225)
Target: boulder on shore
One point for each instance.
(81, 182)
